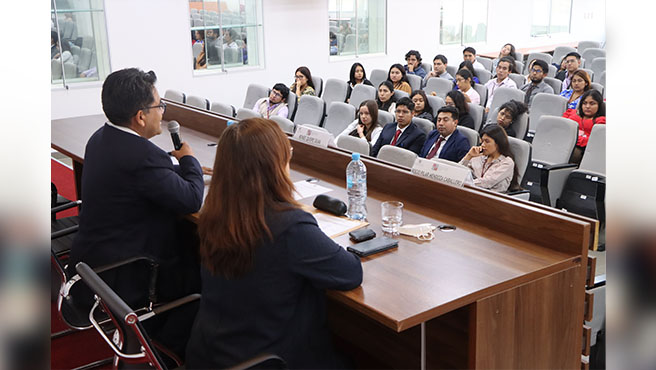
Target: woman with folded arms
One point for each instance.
(366, 127)
(386, 99)
(456, 99)
(492, 162)
(265, 262)
(591, 111)
(397, 77)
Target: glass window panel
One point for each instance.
(475, 21)
(356, 26)
(550, 17)
(451, 22)
(540, 23)
(560, 16)
(463, 21)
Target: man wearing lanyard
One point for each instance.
(504, 68)
(275, 104)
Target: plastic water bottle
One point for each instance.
(356, 188)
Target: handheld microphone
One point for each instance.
(174, 129)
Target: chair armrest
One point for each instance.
(560, 171)
(64, 232)
(552, 167)
(170, 305)
(64, 207)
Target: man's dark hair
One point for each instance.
(415, 53)
(542, 64)
(469, 49)
(125, 92)
(54, 36)
(573, 54)
(441, 57)
(407, 102)
(449, 109)
(511, 62)
(283, 90)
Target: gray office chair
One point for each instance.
(452, 69)
(385, 117)
(486, 62)
(349, 44)
(254, 92)
(244, 113)
(414, 81)
(519, 66)
(233, 55)
(436, 103)
(353, 144)
(339, 115)
(555, 84)
(482, 91)
(520, 57)
(398, 94)
(310, 111)
(597, 86)
(335, 91)
(520, 126)
(222, 108)
(427, 67)
(602, 79)
(176, 96)
(318, 85)
(471, 135)
(84, 62)
(397, 155)
(377, 77)
(542, 56)
(518, 79)
(598, 66)
(360, 93)
(196, 49)
(552, 71)
(483, 75)
(545, 104)
(584, 45)
(424, 124)
(285, 124)
(291, 105)
(198, 102)
(560, 52)
(477, 112)
(70, 70)
(521, 151)
(589, 71)
(504, 94)
(590, 54)
(441, 86)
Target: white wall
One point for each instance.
(154, 34)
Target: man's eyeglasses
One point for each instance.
(535, 70)
(275, 93)
(161, 105)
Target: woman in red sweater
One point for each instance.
(591, 111)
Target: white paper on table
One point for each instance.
(305, 189)
(334, 226)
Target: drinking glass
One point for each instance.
(392, 214)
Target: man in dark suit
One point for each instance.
(402, 133)
(134, 196)
(446, 141)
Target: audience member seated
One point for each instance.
(333, 43)
(572, 64)
(199, 37)
(492, 162)
(508, 50)
(200, 62)
(403, 133)
(457, 99)
(229, 37)
(580, 84)
(54, 44)
(446, 141)
(265, 263)
(303, 84)
(536, 85)
(439, 69)
(397, 77)
(506, 64)
(423, 108)
(357, 75)
(470, 67)
(213, 43)
(413, 58)
(469, 54)
(366, 126)
(466, 85)
(386, 100)
(275, 104)
(591, 111)
(508, 114)
(66, 55)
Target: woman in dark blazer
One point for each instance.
(265, 262)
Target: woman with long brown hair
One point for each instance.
(265, 262)
(366, 126)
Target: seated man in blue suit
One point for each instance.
(446, 142)
(402, 133)
(133, 198)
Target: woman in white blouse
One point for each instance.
(466, 83)
(366, 127)
(492, 162)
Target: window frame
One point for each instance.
(357, 54)
(549, 25)
(462, 42)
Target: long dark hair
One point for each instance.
(470, 67)
(515, 107)
(306, 72)
(427, 107)
(232, 221)
(458, 98)
(352, 80)
(512, 53)
(596, 95)
(392, 99)
(464, 73)
(373, 112)
(404, 78)
(498, 134)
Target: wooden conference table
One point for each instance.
(504, 290)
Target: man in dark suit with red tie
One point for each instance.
(446, 141)
(402, 133)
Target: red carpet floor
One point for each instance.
(63, 178)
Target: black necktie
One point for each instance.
(528, 93)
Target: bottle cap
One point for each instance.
(355, 156)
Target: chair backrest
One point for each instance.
(542, 56)
(398, 94)
(70, 70)
(377, 76)
(56, 69)
(560, 52)
(353, 144)
(483, 75)
(441, 86)
(471, 135)
(397, 155)
(85, 59)
(521, 151)
(385, 117)
(232, 55)
(291, 105)
(584, 45)
(360, 93)
(521, 125)
(285, 124)
(602, 79)
(504, 94)
(552, 71)
(75, 50)
(427, 66)
(339, 115)
(594, 158)
(545, 104)
(554, 139)
(254, 92)
(595, 85)
(335, 91)
(598, 65)
(310, 111)
(176, 96)
(519, 80)
(223, 108)
(197, 48)
(198, 102)
(318, 85)
(519, 66)
(589, 72)
(486, 62)
(590, 54)
(424, 124)
(452, 69)
(476, 111)
(436, 103)
(520, 57)
(349, 44)
(243, 113)
(555, 84)
(482, 91)
(415, 82)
